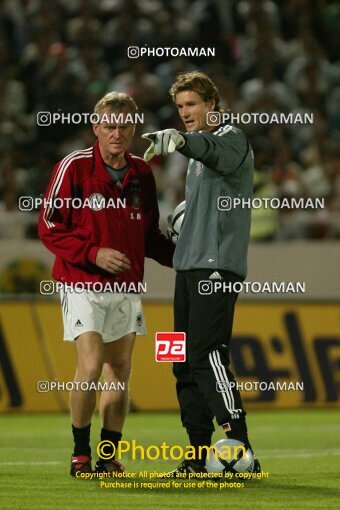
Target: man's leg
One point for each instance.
(114, 404)
(196, 415)
(210, 325)
(116, 369)
(90, 356)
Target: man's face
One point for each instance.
(193, 110)
(115, 137)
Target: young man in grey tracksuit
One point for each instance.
(212, 247)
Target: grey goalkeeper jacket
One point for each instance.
(221, 165)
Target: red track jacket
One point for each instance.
(75, 234)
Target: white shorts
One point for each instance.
(111, 315)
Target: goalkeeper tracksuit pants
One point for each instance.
(204, 388)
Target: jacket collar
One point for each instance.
(100, 172)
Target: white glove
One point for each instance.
(163, 142)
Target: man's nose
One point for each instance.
(116, 133)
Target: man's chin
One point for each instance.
(191, 129)
(115, 151)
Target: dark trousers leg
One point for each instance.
(208, 321)
(195, 413)
(210, 325)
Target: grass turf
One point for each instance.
(299, 449)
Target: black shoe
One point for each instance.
(257, 466)
(80, 464)
(184, 469)
(108, 466)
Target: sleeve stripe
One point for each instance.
(58, 179)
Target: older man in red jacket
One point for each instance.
(101, 245)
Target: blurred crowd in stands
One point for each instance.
(271, 56)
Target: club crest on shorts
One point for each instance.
(139, 319)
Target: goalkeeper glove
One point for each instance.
(163, 142)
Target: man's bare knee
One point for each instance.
(90, 356)
(120, 370)
(89, 371)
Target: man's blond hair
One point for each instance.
(197, 82)
(116, 101)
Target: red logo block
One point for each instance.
(170, 347)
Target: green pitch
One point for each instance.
(299, 449)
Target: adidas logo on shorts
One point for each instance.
(78, 323)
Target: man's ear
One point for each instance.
(211, 104)
(95, 128)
